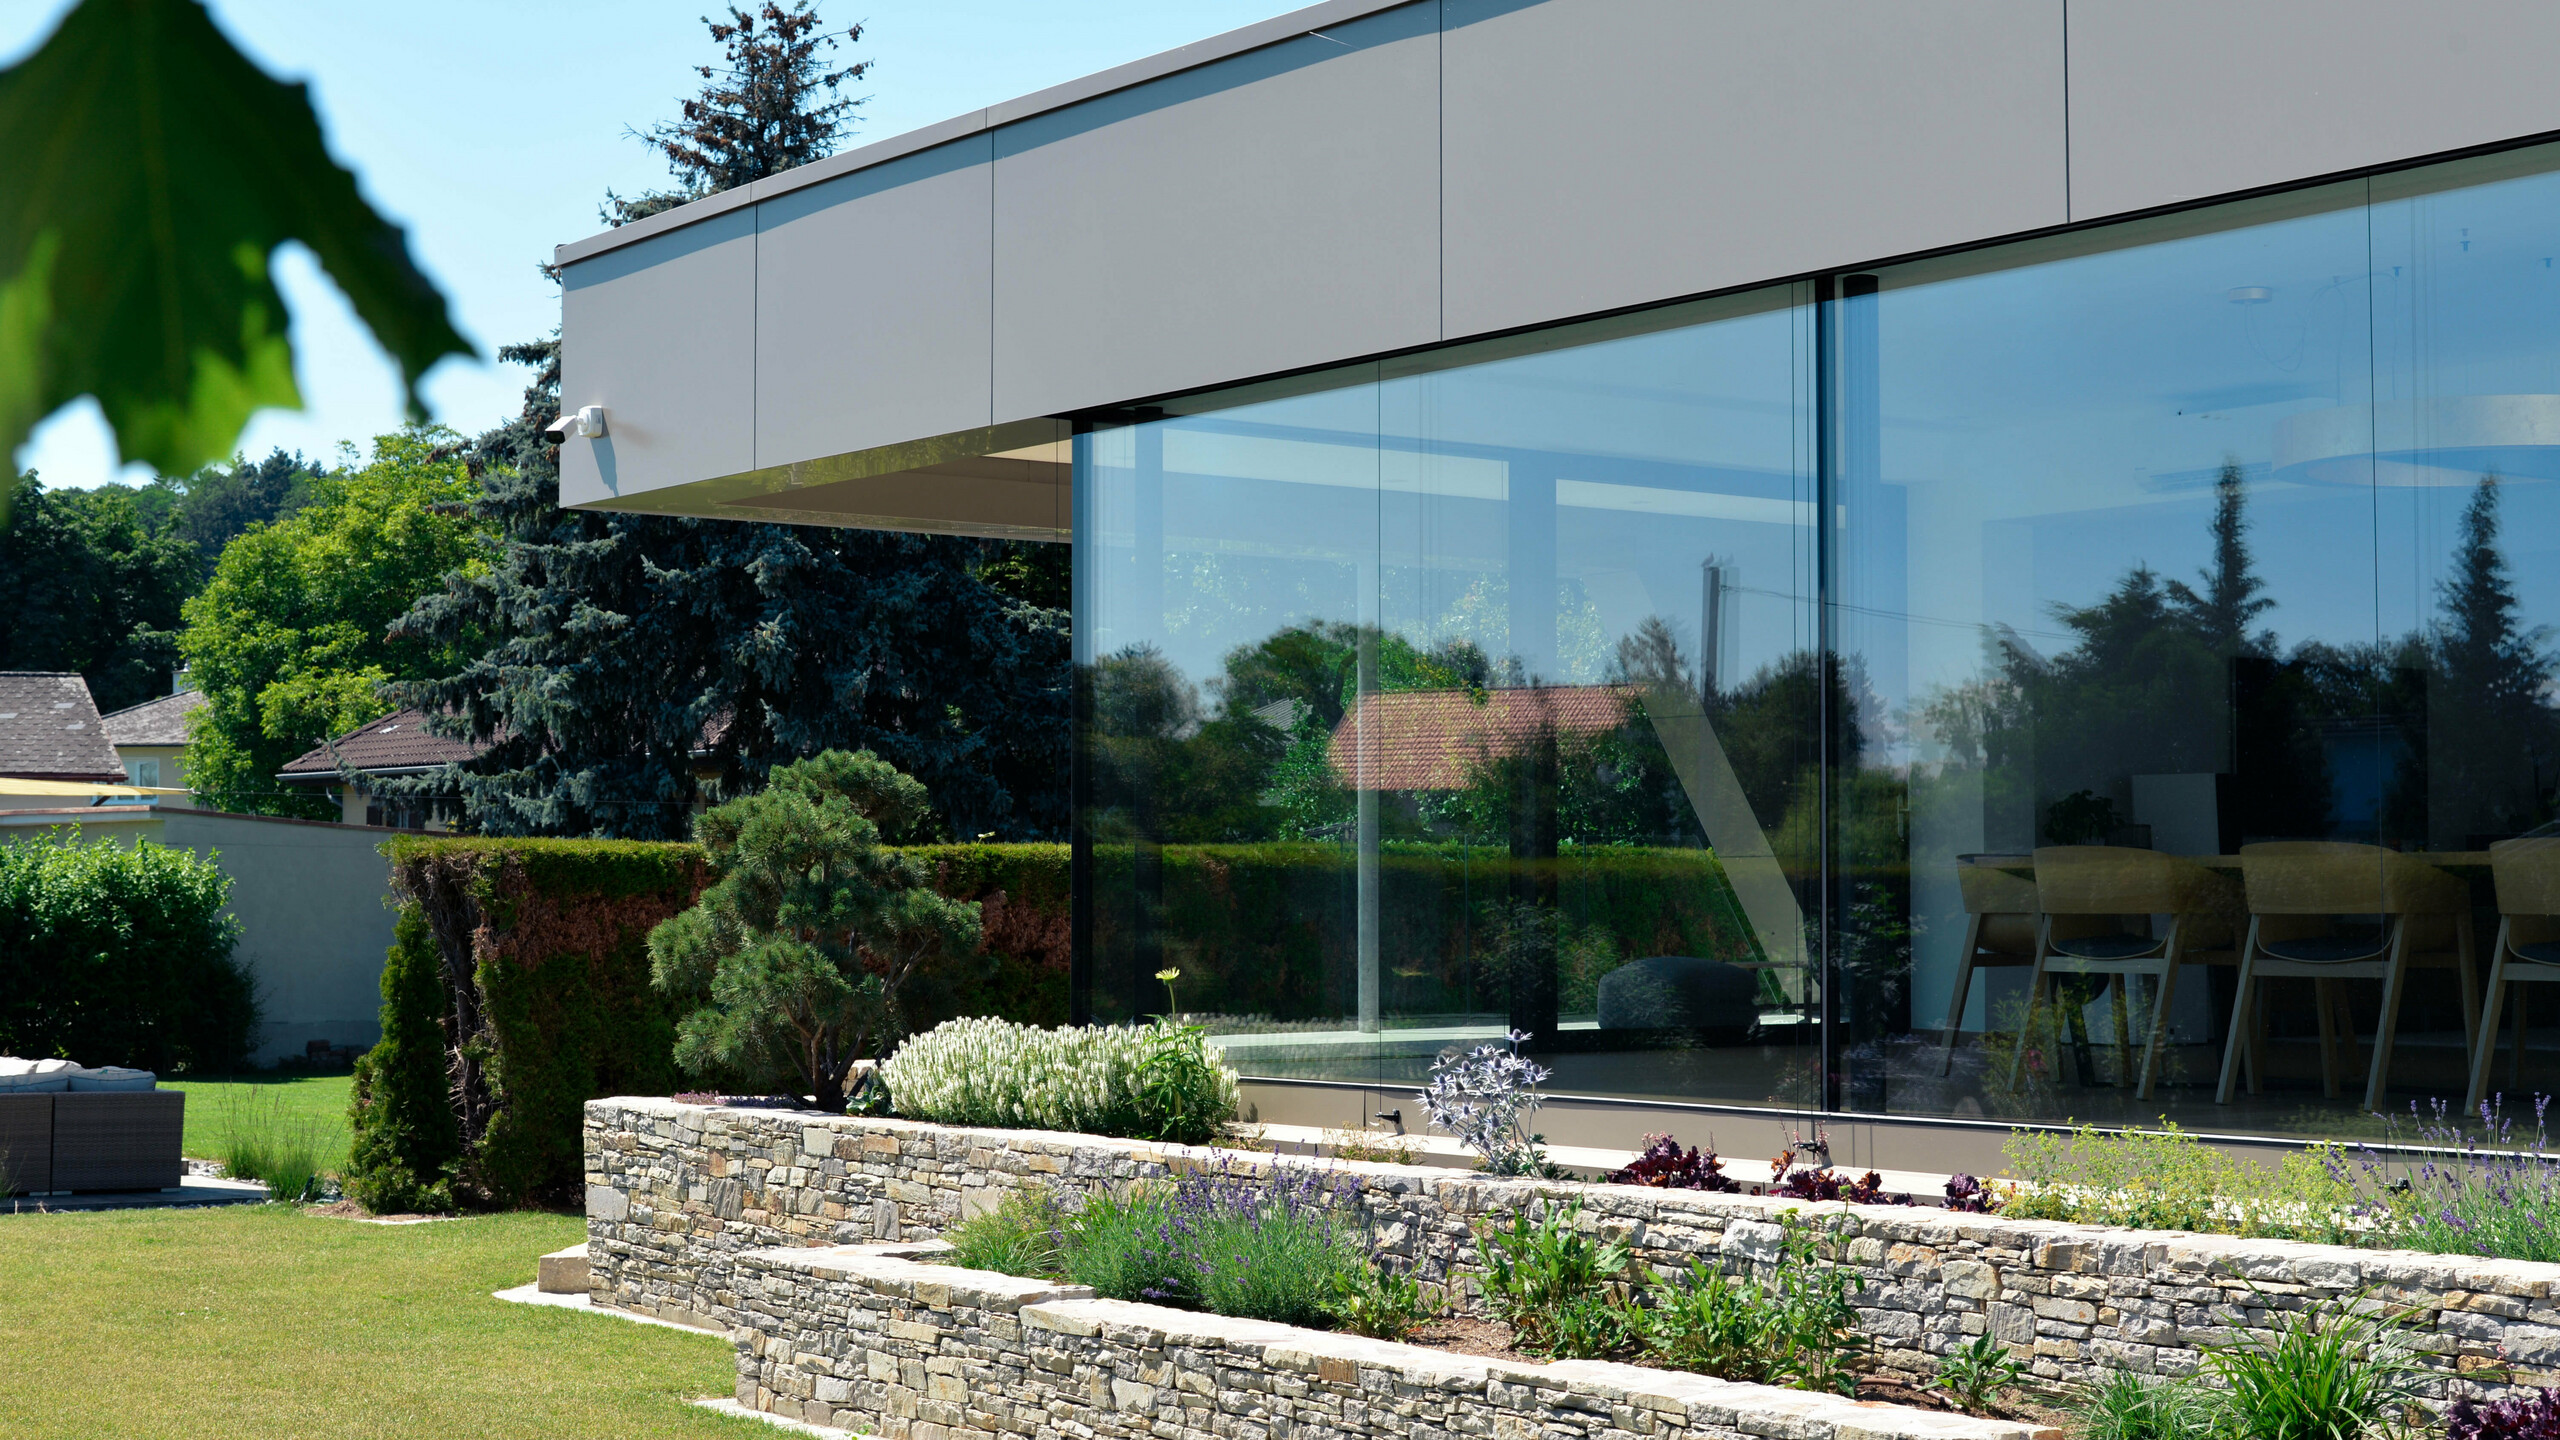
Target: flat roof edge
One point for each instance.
(959, 127)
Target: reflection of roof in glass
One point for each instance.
(1428, 739)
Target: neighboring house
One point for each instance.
(50, 730)
(2015, 423)
(150, 740)
(397, 746)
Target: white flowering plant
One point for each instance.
(1146, 1082)
(1485, 1097)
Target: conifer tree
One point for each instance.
(627, 668)
(2490, 761)
(2230, 601)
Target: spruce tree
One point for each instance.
(2230, 601)
(2490, 761)
(628, 668)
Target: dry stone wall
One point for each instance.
(676, 1194)
(870, 1340)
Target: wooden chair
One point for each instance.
(2308, 903)
(2121, 890)
(2528, 879)
(1999, 931)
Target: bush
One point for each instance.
(521, 990)
(1550, 1281)
(120, 955)
(1156, 1082)
(2497, 1194)
(1794, 1326)
(1664, 1165)
(1383, 1304)
(2332, 1371)
(2167, 1180)
(406, 1143)
(1277, 1245)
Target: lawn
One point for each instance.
(280, 1102)
(261, 1320)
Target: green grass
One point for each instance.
(263, 1320)
(216, 1107)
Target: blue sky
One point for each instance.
(492, 130)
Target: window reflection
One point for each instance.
(1933, 692)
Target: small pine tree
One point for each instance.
(813, 927)
(2231, 600)
(776, 104)
(2491, 736)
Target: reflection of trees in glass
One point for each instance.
(1160, 770)
(2148, 687)
(2490, 769)
(2452, 732)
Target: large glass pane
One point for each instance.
(2099, 629)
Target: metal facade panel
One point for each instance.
(1272, 210)
(872, 307)
(1607, 153)
(662, 334)
(2177, 100)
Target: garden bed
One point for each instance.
(872, 1339)
(677, 1194)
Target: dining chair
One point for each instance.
(2328, 911)
(2095, 909)
(2527, 875)
(1999, 930)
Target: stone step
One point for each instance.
(563, 1272)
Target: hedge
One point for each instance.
(518, 988)
(1271, 929)
(120, 955)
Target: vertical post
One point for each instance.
(1082, 617)
(1710, 632)
(1365, 739)
(1826, 460)
(1532, 589)
(1146, 853)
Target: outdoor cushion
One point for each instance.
(23, 1084)
(2545, 951)
(1679, 992)
(114, 1077)
(2107, 947)
(2327, 949)
(12, 1065)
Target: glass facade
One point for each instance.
(1739, 697)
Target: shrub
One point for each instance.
(1021, 1236)
(120, 955)
(1794, 1326)
(2499, 1194)
(2167, 1180)
(812, 927)
(1969, 1196)
(1156, 1082)
(406, 1143)
(2128, 1406)
(2521, 1417)
(1664, 1165)
(1277, 1245)
(1485, 1097)
(1550, 1281)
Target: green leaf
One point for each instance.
(147, 172)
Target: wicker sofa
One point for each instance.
(62, 1141)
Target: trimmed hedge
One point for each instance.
(1272, 929)
(114, 954)
(518, 988)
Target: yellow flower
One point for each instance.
(1168, 976)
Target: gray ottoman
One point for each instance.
(1680, 992)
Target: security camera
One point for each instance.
(586, 422)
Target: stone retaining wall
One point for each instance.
(871, 1340)
(677, 1193)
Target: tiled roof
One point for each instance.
(1429, 739)
(394, 742)
(49, 729)
(154, 722)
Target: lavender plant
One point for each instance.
(2497, 1193)
(1485, 1097)
(1274, 1245)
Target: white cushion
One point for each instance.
(12, 1065)
(113, 1077)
